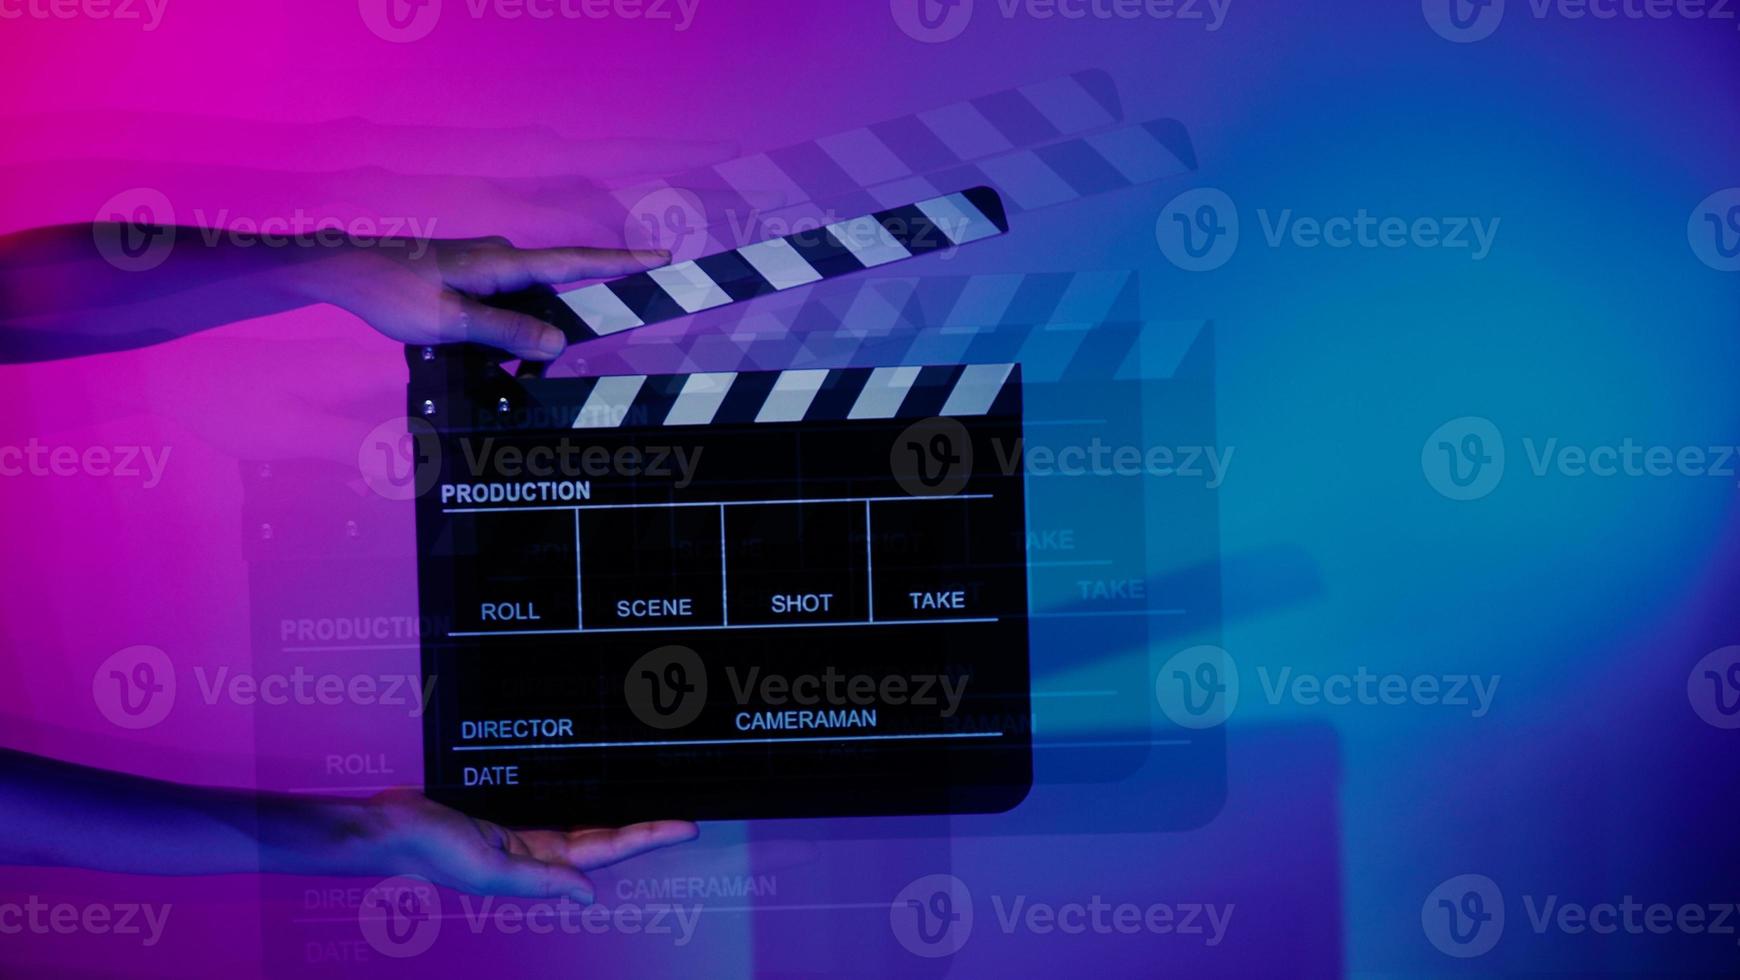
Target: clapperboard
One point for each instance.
(731, 594)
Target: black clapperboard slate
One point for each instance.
(729, 595)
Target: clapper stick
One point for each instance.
(763, 268)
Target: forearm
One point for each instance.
(61, 295)
(57, 814)
(73, 290)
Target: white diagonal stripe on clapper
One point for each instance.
(609, 402)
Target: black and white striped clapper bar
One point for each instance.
(795, 260)
(795, 395)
